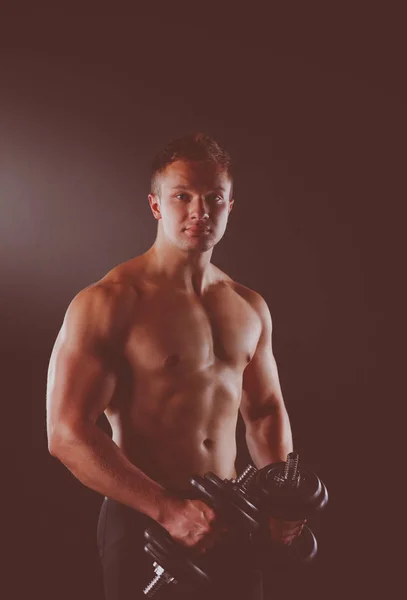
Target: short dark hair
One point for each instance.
(195, 146)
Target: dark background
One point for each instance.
(311, 105)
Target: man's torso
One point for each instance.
(179, 385)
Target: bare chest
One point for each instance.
(177, 332)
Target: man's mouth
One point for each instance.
(198, 229)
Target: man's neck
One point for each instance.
(191, 273)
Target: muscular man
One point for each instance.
(170, 348)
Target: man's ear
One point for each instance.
(231, 203)
(154, 202)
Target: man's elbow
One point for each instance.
(266, 417)
(60, 440)
(260, 425)
(262, 413)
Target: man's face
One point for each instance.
(193, 204)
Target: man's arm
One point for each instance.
(82, 378)
(268, 431)
(81, 381)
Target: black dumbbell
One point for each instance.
(278, 490)
(282, 491)
(175, 563)
(172, 561)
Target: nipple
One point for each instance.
(172, 361)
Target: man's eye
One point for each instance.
(214, 198)
(182, 196)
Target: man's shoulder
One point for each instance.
(253, 297)
(105, 293)
(106, 305)
(119, 285)
(124, 276)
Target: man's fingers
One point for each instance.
(286, 531)
(210, 539)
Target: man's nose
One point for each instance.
(199, 208)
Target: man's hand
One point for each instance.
(285, 532)
(192, 523)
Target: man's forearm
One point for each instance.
(269, 438)
(94, 459)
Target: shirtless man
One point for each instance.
(170, 348)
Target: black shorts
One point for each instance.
(127, 568)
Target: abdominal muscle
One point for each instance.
(179, 433)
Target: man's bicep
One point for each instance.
(80, 385)
(81, 375)
(261, 385)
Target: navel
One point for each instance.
(208, 443)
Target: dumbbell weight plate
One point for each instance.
(286, 501)
(177, 560)
(301, 551)
(304, 547)
(231, 504)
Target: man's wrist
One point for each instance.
(164, 506)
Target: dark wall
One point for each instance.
(313, 112)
